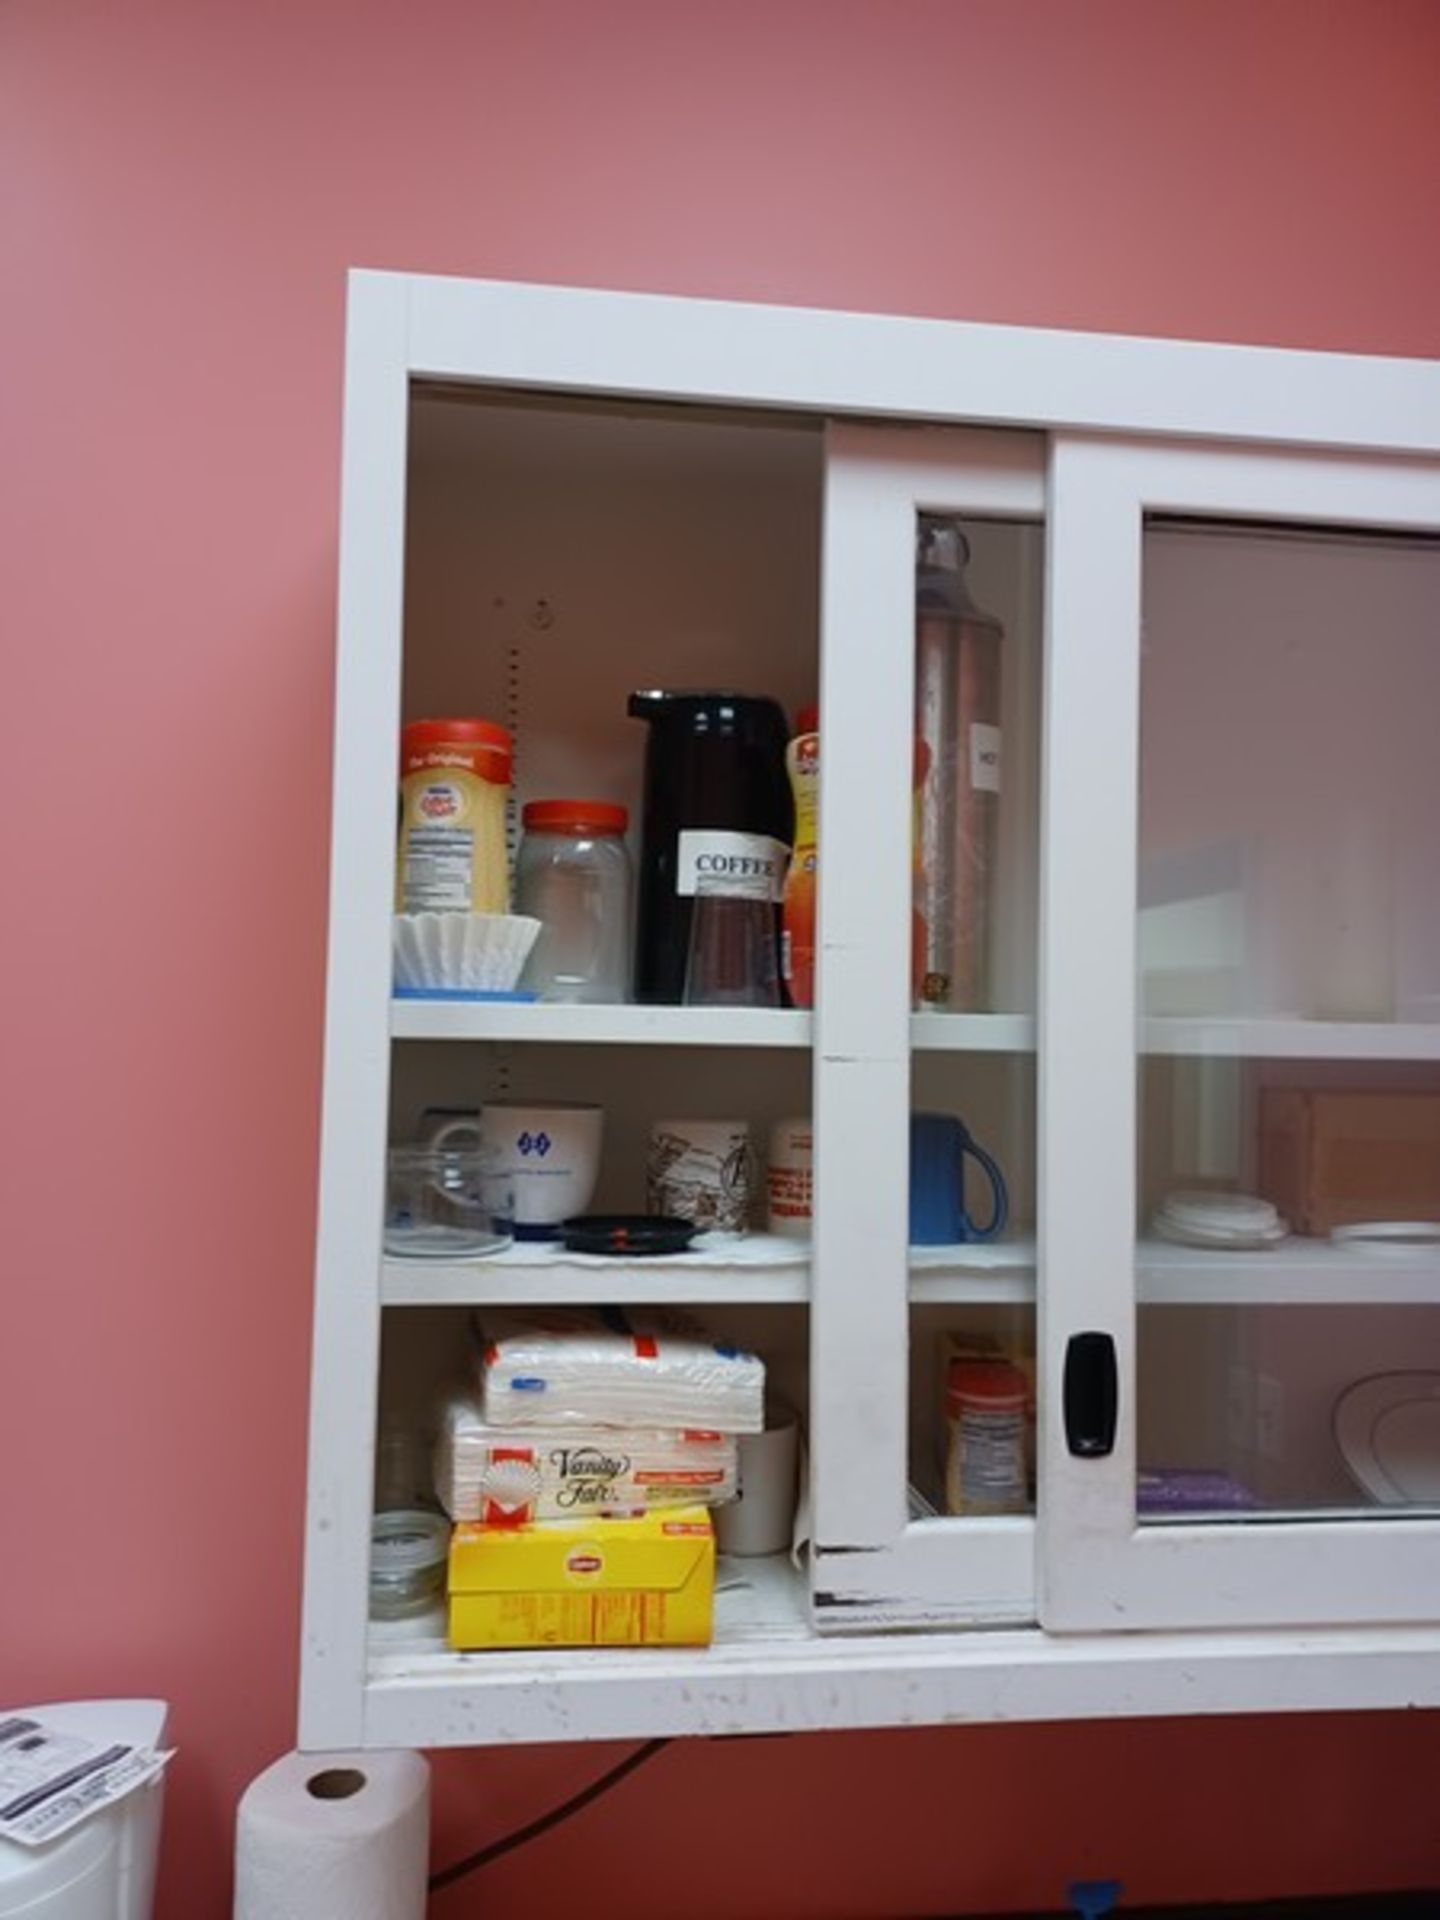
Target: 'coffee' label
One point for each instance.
(735, 866)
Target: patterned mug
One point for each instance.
(700, 1170)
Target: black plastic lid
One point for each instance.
(627, 1236)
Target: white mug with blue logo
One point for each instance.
(551, 1152)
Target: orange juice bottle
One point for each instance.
(797, 909)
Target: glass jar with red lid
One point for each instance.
(573, 876)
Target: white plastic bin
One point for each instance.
(103, 1869)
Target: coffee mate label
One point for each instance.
(733, 866)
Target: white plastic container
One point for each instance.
(573, 876)
(103, 1869)
(447, 1198)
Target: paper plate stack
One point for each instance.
(1236, 1222)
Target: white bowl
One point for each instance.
(462, 952)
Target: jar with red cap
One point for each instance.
(455, 786)
(985, 1419)
(573, 876)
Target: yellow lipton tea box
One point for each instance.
(647, 1582)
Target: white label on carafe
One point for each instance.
(984, 757)
(733, 866)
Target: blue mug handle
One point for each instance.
(999, 1193)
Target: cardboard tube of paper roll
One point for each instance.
(761, 1518)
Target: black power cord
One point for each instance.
(483, 1856)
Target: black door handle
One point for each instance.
(1092, 1395)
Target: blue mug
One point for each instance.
(939, 1146)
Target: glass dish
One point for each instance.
(447, 1202)
(408, 1549)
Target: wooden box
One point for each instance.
(1332, 1157)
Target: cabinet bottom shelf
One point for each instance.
(767, 1672)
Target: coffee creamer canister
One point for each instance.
(454, 785)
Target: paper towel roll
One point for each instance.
(334, 1836)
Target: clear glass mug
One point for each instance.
(448, 1198)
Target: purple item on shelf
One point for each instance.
(1190, 1490)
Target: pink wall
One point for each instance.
(183, 183)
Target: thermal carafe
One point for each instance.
(717, 821)
(957, 726)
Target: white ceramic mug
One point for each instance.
(700, 1170)
(551, 1151)
(761, 1517)
(790, 1178)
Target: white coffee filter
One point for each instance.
(462, 952)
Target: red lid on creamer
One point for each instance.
(989, 1383)
(483, 747)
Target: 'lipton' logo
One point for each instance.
(584, 1562)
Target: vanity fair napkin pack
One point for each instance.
(576, 1367)
(507, 1476)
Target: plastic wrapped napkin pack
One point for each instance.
(579, 1367)
(508, 1476)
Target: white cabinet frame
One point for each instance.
(345, 1362)
(1099, 1568)
(870, 1568)
(403, 329)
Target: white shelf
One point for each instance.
(1297, 1272)
(992, 1273)
(602, 1026)
(684, 1026)
(758, 1270)
(766, 1672)
(763, 1269)
(766, 1270)
(1279, 1516)
(973, 1032)
(1292, 1039)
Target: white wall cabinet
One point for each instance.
(1219, 574)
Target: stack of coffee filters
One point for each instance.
(574, 1414)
